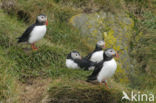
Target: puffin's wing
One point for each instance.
(81, 62)
(84, 63)
(96, 71)
(26, 34)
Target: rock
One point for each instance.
(8, 5)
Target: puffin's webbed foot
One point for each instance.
(33, 47)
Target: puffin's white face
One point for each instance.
(42, 19)
(110, 53)
(101, 44)
(75, 55)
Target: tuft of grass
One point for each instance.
(81, 92)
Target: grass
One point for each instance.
(8, 87)
(143, 46)
(49, 61)
(83, 92)
(18, 66)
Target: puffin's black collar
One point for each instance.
(106, 58)
(97, 48)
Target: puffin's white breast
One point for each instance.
(97, 56)
(107, 71)
(37, 33)
(71, 64)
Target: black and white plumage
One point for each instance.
(106, 68)
(97, 54)
(35, 32)
(75, 61)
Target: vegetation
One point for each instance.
(21, 69)
(143, 45)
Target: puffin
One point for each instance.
(106, 68)
(35, 32)
(75, 61)
(97, 54)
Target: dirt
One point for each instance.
(35, 91)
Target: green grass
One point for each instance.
(143, 45)
(21, 65)
(8, 78)
(18, 65)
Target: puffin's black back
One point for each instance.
(25, 36)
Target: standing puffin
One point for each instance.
(104, 69)
(35, 32)
(75, 61)
(97, 54)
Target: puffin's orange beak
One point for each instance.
(117, 55)
(46, 22)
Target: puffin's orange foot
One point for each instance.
(33, 47)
